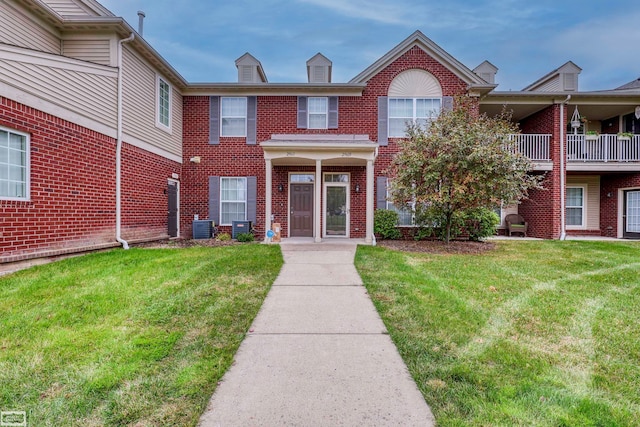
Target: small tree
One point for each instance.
(463, 161)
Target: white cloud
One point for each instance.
(382, 11)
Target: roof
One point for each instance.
(634, 84)
(432, 49)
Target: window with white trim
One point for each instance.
(14, 165)
(406, 215)
(233, 116)
(164, 103)
(233, 200)
(575, 206)
(403, 111)
(318, 110)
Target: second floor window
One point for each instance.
(403, 111)
(318, 113)
(233, 117)
(164, 103)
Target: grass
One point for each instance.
(138, 337)
(532, 334)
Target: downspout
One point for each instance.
(563, 233)
(119, 238)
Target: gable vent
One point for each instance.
(246, 73)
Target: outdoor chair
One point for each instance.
(516, 224)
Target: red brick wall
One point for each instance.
(277, 115)
(542, 209)
(609, 205)
(72, 203)
(144, 195)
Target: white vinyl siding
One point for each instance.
(233, 200)
(140, 107)
(14, 165)
(403, 111)
(19, 29)
(164, 103)
(69, 8)
(575, 207)
(318, 112)
(98, 51)
(233, 117)
(61, 84)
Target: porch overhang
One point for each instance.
(331, 150)
(320, 150)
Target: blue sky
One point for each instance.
(524, 39)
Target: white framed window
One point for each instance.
(14, 165)
(233, 199)
(402, 111)
(406, 216)
(233, 116)
(575, 207)
(318, 110)
(163, 113)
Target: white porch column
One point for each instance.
(268, 196)
(317, 203)
(369, 204)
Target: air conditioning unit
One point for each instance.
(239, 227)
(202, 229)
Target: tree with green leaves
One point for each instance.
(461, 162)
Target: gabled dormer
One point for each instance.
(487, 72)
(319, 69)
(563, 79)
(250, 70)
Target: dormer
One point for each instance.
(487, 72)
(563, 79)
(319, 69)
(250, 70)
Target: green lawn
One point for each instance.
(138, 337)
(532, 334)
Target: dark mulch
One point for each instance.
(438, 246)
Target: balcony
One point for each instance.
(536, 148)
(603, 152)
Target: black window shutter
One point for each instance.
(214, 120)
(302, 112)
(333, 112)
(214, 199)
(447, 103)
(252, 112)
(383, 121)
(381, 192)
(252, 195)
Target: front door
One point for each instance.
(336, 196)
(172, 210)
(631, 217)
(301, 218)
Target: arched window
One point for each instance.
(415, 96)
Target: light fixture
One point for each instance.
(357, 188)
(195, 159)
(280, 188)
(609, 194)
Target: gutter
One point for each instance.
(563, 233)
(119, 238)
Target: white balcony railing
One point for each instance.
(603, 148)
(534, 146)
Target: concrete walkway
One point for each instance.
(317, 354)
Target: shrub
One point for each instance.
(385, 224)
(481, 223)
(224, 237)
(430, 223)
(245, 237)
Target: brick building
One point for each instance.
(100, 137)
